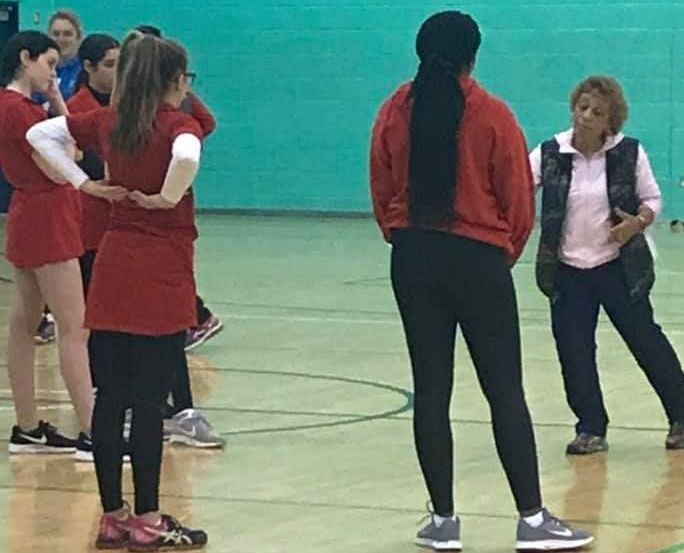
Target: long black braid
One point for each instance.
(446, 44)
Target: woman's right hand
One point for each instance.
(102, 189)
(55, 99)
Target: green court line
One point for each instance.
(407, 405)
(344, 420)
(674, 549)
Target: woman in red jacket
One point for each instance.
(452, 192)
(142, 294)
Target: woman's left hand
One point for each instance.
(630, 226)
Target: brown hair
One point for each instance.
(69, 16)
(609, 89)
(147, 68)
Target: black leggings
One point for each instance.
(133, 371)
(86, 261)
(181, 393)
(442, 282)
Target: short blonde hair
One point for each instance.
(611, 90)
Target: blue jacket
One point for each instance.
(68, 74)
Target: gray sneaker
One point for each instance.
(446, 537)
(675, 439)
(552, 535)
(190, 427)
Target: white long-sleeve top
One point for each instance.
(51, 139)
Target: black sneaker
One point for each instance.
(168, 535)
(675, 439)
(586, 444)
(44, 439)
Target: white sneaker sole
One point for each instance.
(194, 442)
(87, 457)
(552, 545)
(213, 332)
(36, 449)
(451, 545)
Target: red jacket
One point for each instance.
(494, 200)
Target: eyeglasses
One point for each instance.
(190, 76)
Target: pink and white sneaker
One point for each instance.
(166, 535)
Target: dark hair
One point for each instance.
(149, 30)
(69, 16)
(147, 68)
(446, 45)
(34, 42)
(94, 49)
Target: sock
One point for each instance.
(439, 520)
(535, 521)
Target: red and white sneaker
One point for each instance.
(196, 336)
(114, 532)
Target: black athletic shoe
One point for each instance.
(44, 439)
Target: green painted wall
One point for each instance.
(295, 84)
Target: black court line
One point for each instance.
(407, 405)
(303, 308)
(220, 409)
(377, 281)
(393, 414)
(397, 418)
(310, 309)
(529, 315)
(343, 507)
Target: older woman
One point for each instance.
(599, 195)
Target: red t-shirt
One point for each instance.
(199, 111)
(96, 211)
(83, 101)
(17, 115)
(143, 280)
(44, 218)
(494, 200)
